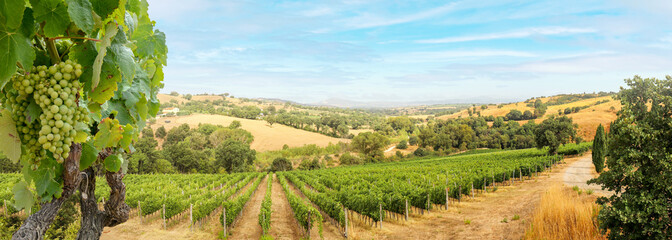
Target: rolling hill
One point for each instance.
(266, 138)
(588, 119)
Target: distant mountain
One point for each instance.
(344, 103)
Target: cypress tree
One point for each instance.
(599, 149)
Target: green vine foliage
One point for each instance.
(74, 72)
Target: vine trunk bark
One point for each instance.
(37, 224)
(93, 219)
(116, 210)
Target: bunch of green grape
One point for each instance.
(53, 92)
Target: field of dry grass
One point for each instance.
(564, 214)
(265, 137)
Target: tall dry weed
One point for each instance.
(564, 214)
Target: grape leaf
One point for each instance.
(89, 155)
(108, 85)
(104, 7)
(33, 110)
(54, 14)
(110, 30)
(28, 23)
(120, 111)
(81, 14)
(128, 137)
(138, 7)
(109, 134)
(10, 143)
(154, 106)
(113, 163)
(43, 178)
(11, 13)
(141, 108)
(123, 57)
(23, 198)
(14, 47)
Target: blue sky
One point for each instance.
(411, 51)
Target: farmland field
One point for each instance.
(371, 193)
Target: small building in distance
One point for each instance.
(171, 111)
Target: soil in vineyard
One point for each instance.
(153, 230)
(479, 218)
(329, 230)
(283, 224)
(248, 226)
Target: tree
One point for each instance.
(188, 96)
(554, 131)
(174, 94)
(235, 124)
(639, 156)
(599, 149)
(413, 140)
(281, 164)
(93, 70)
(349, 159)
(234, 156)
(270, 120)
(161, 132)
(402, 145)
(514, 115)
(370, 144)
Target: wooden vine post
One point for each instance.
(345, 211)
(447, 197)
(224, 221)
(191, 216)
(406, 210)
(472, 189)
(309, 225)
(380, 215)
(164, 216)
(139, 211)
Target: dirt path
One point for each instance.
(478, 218)
(579, 172)
(283, 224)
(247, 226)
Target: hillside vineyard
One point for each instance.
(370, 194)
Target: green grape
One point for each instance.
(55, 90)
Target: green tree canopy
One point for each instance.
(234, 156)
(555, 131)
(599, 149)
(370, 144)
(639, 156)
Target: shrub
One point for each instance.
(402, 145)
(281, 164)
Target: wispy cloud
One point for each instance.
(443, 56)
(371, 20)
(522, 33)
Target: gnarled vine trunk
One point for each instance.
(116, 210)
(93, 219)
(37, 224)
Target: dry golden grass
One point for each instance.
(266, 137)
(165, 98)
(564, 214)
